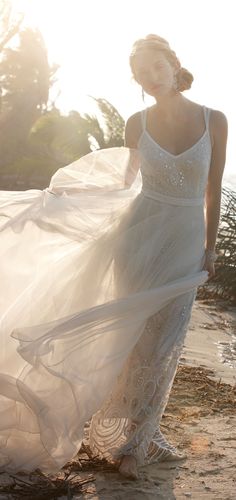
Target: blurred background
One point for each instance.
(65, 81)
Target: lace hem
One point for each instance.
(128, 422)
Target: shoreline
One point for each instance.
(211, 339)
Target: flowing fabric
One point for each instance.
(98, 276)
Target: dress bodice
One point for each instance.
(181, 176)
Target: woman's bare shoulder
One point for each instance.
(218, 118)
(133, 130)
(218, 125)
(219, 132)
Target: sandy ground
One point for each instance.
(200, 419)
(211, 339)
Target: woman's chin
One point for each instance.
(161, 91)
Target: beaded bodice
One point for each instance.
(181, 176)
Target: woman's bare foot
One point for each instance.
(128, 467)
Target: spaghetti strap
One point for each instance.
(206, 112)
(144, 118)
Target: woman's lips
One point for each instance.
(156, 87)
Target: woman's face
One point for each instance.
(153, 72)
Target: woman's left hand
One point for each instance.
(209, 266)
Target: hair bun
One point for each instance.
(184, 79)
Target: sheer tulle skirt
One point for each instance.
(93, 273)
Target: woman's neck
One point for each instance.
(170, 106)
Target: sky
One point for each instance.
(91, 41)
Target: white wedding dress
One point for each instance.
(98, 276)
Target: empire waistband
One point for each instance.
(171, 199)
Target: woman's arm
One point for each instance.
(132, 133)
(133, 130)
(219, 131)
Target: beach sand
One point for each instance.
(200, 419)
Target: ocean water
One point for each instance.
(229, 181)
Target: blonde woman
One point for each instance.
(183, 147)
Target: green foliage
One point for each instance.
(25, 79)
(113, 122)
(223, 284)
(36, 141)
(25, 70)
(56, 140)
(9, 23)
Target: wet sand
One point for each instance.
(211, 339)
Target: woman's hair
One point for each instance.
(155, 42)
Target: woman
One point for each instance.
(99, 277)
(173, 134)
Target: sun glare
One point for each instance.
(82, 42)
